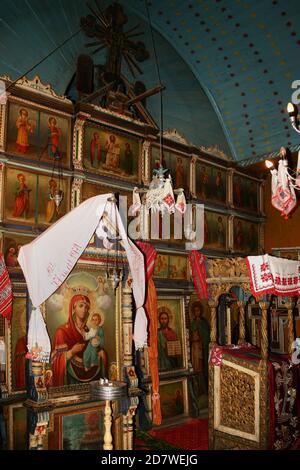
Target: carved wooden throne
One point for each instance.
(252, 395)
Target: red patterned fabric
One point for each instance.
(6, 296)
(272, 275)
(151, 310)
(197, 263)
(216, 353)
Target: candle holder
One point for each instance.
(105, 389)
(109, 391)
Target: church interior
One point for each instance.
(149, 260)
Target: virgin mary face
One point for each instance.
(81, 309)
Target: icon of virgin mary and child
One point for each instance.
(78, 353)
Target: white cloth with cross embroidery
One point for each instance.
(47, 261)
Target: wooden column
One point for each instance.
(213, 304)
(290, 325)
(107, 445)
(264, 398)
(128, 364)
(242, 329)
(264, 330)
(130, 415)
(127, 326)
(125, 431)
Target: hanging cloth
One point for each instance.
(272, 275)
(151, 310)
(181, 203)
(197, 262)
(160, 196)
(283, 194)
(47, 261)
(136, 203)
(6, 295)
(38, 342)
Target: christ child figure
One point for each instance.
(94, 352)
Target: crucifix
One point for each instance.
(107, 29)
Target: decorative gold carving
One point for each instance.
(227, 268)
(211, 431)
(76, 192)
(215, 289)
(110, 112)
(226, 442)
(213, 322)
(38, 87)
(127, 326)
(290, 325)
(2, 126)
(215, 151)
(264, 330)
(193, 176)
(78, 137)
(241, 306)
(146, 160)
(237, 396)
(264, 406)
(176, 136)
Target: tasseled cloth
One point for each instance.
(283, 192)
(151, 310)
(272, 275)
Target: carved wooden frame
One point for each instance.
(42, 172)
(259, 211)
(120, 132)
(203, 161)
(11, 234)
(183, 336)
(226, 234)
(178, 153)
(217, 402)
(40, 108)
(169, 253)
(78, 392)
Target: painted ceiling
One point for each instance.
(227, 65)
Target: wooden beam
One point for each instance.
(146, 93)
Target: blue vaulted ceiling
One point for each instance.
(227, 65)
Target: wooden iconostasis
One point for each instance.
(98, 151)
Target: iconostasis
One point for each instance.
(47, 144)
